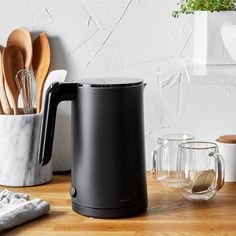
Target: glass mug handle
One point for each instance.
(220, 170)
(156, 159)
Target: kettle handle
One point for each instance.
(56, 93)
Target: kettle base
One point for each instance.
(110, 213)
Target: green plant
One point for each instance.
(190, 6)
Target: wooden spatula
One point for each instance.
(6, 108)
(12, 63)
(41, 63)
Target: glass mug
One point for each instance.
(200, 170)
(164, 158)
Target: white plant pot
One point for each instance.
(228, 33)
(208, 45)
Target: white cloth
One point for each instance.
(17, 208)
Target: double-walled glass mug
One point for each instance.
(164, 158)
(200, 170)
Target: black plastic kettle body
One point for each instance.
(108, 166)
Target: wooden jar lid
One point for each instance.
(227, 139)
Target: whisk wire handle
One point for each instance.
(25, 80)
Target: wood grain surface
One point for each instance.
(168, 214)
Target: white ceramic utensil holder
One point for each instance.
(19, 142)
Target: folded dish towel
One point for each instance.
(17, 208)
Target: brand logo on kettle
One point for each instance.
(125, 200)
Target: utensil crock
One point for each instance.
(19, 139)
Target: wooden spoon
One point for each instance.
(41, 64)
(6, 108)
(21, 38)
(12, 63)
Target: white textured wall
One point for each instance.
(94, 38)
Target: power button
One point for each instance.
(73, 191)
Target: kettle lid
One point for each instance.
(110, 82)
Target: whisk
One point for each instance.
(26, 83)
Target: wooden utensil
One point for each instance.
(41, 64)
(12, 63)
(21, 38)
(6, 108)
(1, 111)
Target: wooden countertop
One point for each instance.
(168, 213)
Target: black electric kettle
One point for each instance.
(108, 167)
